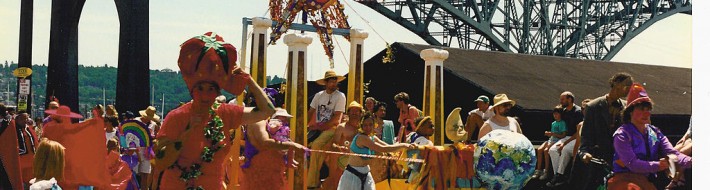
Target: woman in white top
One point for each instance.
(500, 121)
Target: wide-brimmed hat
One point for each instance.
(207, 58)
(149, 112)
(421, 123)
(502, 99)
(64, 111)
(281, 112)
(637, 94)
(329, 74)
(482, 98)
(354, 104)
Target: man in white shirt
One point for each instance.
(325, 113)
(476, 117)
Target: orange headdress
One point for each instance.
(208, 58)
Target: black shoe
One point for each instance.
(556, 181)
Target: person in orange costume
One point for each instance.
(266, 164)
(194, 141)
(10, 175)
(85, 143)
(121, 174)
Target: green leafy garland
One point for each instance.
(213, 132)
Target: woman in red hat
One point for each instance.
(195, 138)
(641, 150)
(85, 143)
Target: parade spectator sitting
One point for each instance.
(640, 149)
(685, 144)
(370, 103)
(420, 137)
(501, 119)
(557, 131)
(407, 115)
(325, 113)
(561, 153)
(49, 165)
(386, 127)
(476, 117)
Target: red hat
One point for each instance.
(63, 111)
(637, 94)
(208, 58)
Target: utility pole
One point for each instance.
(24, 84)
(162, 107)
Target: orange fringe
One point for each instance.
(442, 167)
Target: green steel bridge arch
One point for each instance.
(585, 29)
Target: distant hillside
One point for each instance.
(93, 80)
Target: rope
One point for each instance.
(370, 156)
(366, 22)
(341, 51)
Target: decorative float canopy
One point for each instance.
(324, 15)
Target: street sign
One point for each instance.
(24, 86)
(22, 102)
(22, 72)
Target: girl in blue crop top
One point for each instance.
(356, 149)
(357, 173)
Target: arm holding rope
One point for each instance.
(366, 142)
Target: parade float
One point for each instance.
(504, 160)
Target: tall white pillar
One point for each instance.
(258, 49)
(433, 105)
(297, 101)
(356, 72)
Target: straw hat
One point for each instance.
(502, 99)
(281, 112)
(64, 111)
(329, 74)
(149, 112)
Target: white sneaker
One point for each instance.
(544, 175)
